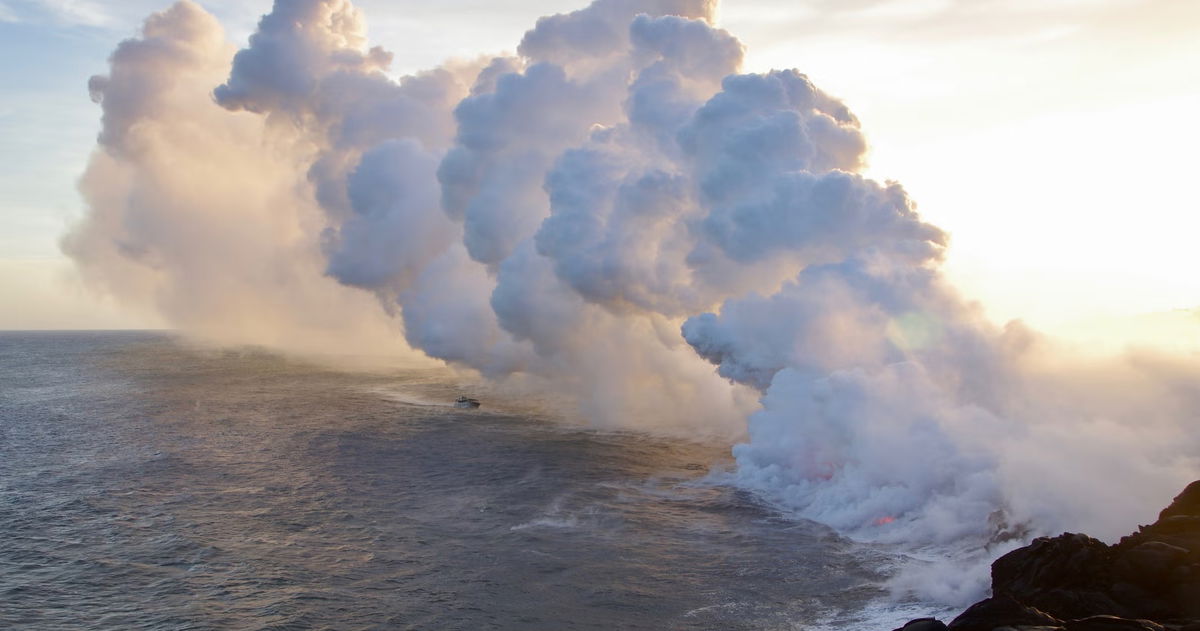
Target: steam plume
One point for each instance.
(616, 213)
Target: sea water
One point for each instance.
(149, 484)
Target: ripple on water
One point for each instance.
(147, 485)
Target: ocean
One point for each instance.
(146, 483)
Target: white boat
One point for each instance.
(466, 403)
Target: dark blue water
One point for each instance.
(145, 484)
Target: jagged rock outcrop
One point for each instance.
(1148, 581)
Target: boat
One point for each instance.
(466, 403)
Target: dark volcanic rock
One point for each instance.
(1067, 576)
(982, 616)
(1186, 503)
(923, 624)
(1149, 581)
(1112, 623)
(1150, 564)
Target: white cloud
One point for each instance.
(83, 12)
(7, 14)
(902, 9)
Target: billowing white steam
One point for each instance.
(611, 213)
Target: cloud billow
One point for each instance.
(618, 214)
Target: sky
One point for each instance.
(1053, 139)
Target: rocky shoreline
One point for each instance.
(1148, 581)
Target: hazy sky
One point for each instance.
(1054, 139)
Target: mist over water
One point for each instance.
(152, 485)
(617, 216)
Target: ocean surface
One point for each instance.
(148, 484)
